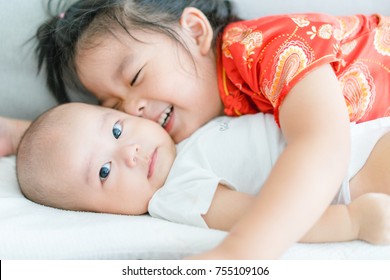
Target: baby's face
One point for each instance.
(116, 161)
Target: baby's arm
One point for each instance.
(11, 131)
(366, 218)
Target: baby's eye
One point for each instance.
(105, 171)
(117, 130)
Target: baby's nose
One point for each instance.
(130, 154)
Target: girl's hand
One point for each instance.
(11, 131)
(370, 214)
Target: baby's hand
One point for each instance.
(370, 214)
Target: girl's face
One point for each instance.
(154, 78)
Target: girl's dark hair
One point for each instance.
(73, 28)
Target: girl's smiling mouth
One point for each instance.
(165, 117)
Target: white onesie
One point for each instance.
(239, 152)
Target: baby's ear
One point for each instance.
(198, 27)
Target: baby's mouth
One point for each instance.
(152, 163)
(165, 116)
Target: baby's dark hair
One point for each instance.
(61, 36)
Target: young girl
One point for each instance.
(181, 63)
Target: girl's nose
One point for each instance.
(134, 107)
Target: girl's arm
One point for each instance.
(305, 178)
(11, 131)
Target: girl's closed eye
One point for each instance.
(135, 77)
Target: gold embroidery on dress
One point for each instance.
(301, 21)
(348, 25)
(234, 35)
(251, 42)
(312, 33)
(347, 48)
(290, 61)
(359, 90)
(325, 31)
(382, 36)
(341, 51)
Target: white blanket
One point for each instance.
(32, 231)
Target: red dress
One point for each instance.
(260, 60)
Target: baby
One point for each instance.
(89, 158)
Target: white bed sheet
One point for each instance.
(32, 231)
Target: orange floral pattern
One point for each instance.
(291, 61)
(347, 26)
(382, 37)
(359, 90)
(261, 60)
